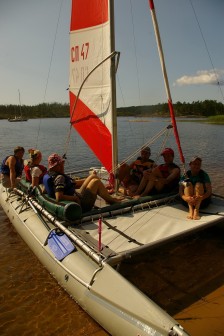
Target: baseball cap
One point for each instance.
(167, 151)
(194, 158)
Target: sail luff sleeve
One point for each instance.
(163, 66)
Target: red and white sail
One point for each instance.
(90, 45)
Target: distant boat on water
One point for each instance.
(20, 116)
(139, 120)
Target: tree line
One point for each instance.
(204, 108)
(44, 110)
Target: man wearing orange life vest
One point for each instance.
(164, 178)
(131, 176)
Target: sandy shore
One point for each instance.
(206, 316)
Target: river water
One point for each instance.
(186, 277)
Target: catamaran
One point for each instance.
(83, 250)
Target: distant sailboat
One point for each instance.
(20, 116)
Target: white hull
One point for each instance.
(118, 306)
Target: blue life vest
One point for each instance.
(48, 182)
(18, 167)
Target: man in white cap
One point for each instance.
(195, 189)
(163, 178)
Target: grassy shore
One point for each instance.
(218, 119)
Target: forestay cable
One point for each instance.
(165, 130)
(206, 47)
(49, 69)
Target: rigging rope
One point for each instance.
(49, 69)
(206, 47)
(165, 130)
(136, 62)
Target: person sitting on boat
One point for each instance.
(164, 178)
(12, 168)
(62, 187)
(195, 188)
(131, 175)
(34, 171)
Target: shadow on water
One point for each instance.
(180, 273)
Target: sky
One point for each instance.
(34, 51)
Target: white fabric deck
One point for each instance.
(149, 228)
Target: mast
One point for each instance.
(113, 92)
(20, 107)
(163, 66)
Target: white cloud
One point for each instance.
(214, 77)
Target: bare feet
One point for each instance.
(110, 191)
(196, 214)
(122, 190)
(191, 212)
(136, 196)
(126, 192)
(116, 199)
